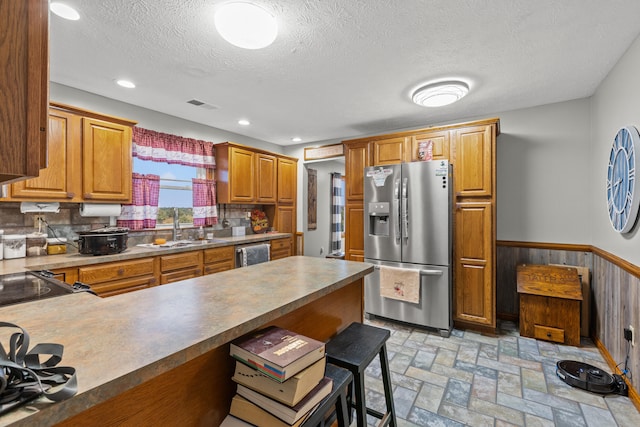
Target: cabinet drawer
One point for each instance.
(280, 244)
(179, 261)
(116, 287)
(219, 259)
(184, 274)
(116, 270)
(218, 254)
(548, 333)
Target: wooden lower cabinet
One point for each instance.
(354, 233)
(219, 259)
(281, 248)
(182, 266)
(474, 283)
(115, 278)
(66, 275)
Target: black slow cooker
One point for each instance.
(103, 241)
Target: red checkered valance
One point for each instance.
(164, 147)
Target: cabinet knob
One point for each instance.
(548, 334)
(120, 271)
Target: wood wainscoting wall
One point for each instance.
(615, 296)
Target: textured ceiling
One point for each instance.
(346, 68)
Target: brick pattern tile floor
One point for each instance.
(477, 380)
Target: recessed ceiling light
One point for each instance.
(296, 139)
(244, 122)
(126, 83)
(440, 94)
(246, 25)
(64, 11)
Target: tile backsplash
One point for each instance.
(68, 222)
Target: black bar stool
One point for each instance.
(342, 381)
(354, 349)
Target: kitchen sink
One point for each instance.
(180, 243)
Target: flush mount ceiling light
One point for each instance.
(246, 25)
(64, 11)
(439, 94)
(244, 122)
(296, 139)
(125, 83)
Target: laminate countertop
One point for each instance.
(52, 262)
(119, 342)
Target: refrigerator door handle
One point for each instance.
(405, 210)
(396, 194)
(431, 272)
(422, 272)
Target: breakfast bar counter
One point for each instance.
(160, 356)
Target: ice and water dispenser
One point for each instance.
(379, 219)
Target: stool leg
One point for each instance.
(386, 381)
(341, 411)
(361, 407)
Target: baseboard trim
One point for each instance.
(633, 393)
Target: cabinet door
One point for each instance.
(354, 233)
(287, 181)
(219, 259)
(66, 275)
(440, 148)
(24, 85)
(106, 161)
(473, 153)
(356, 159)
(241, 175)
(281, 248)
(56, 181)
(286, 219)
(389, 151)
(474, 264)
(266, 178)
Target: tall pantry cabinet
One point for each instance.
(471, 149)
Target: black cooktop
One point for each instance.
(31, 285)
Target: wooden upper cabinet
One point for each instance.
(24, 85)
(356, 159)
(89, 160)
(56, 181)
(287, 180)
(389, 151)
(106, 161)
(440, 148)
(235, 174)
(473, 154)
(266, 178)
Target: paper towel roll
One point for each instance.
(26, 207)
(100, 209)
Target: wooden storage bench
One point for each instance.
(550, 298)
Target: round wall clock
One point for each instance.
(623, 198)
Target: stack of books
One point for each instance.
(280, 378)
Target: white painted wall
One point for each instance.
(150, 119)
(616, 103)
(543, 174)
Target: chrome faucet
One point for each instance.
(176, 225)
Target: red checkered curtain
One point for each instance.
(205, 212)
(143, 211)
(172, 149)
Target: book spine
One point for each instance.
(265, 368)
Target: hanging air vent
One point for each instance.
(202, 104)
(590, 378)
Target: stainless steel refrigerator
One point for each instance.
(408, 227)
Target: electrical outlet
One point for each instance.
(633, 336)
(36, 221)
(248, 214)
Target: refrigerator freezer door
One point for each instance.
(428, 213)
(434, 308)
(382, 189)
